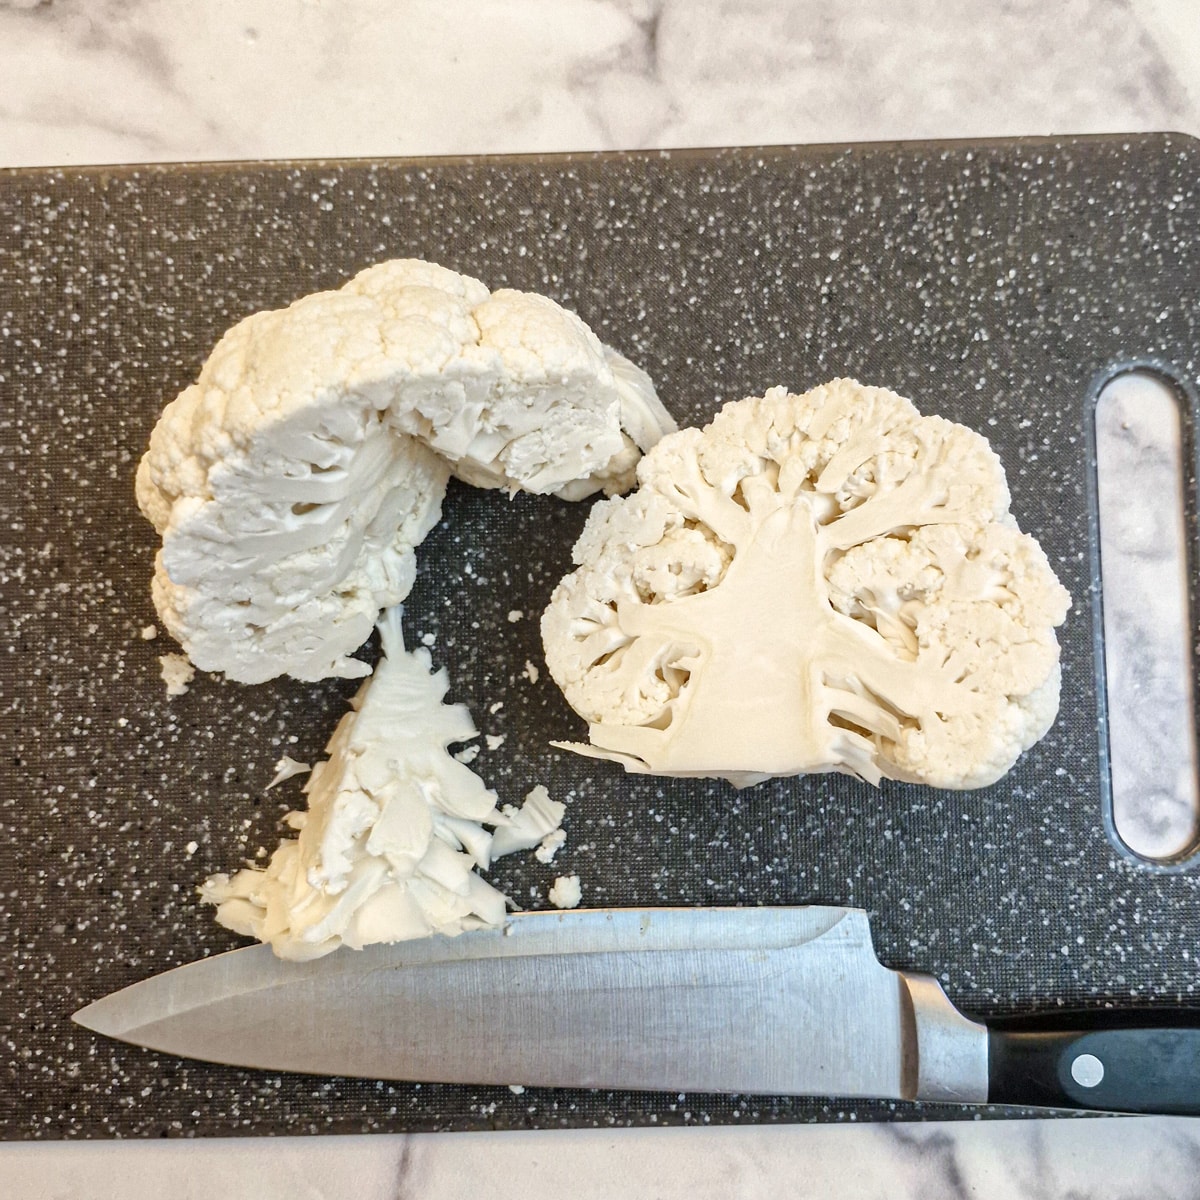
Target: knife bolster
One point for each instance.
(945, 1053)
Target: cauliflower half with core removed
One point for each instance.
(825, 582)
(394, 831)
(293, 480)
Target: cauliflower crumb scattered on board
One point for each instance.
(286, 768)
(149, 633)
(468, 754)
(823, 582)
(177, 673)
(549, 846)
(515, 615)
(495, 740)
(566, 892)
(531, 672)
(538, 818)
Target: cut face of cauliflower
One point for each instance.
(394, 831)
(825, 582)
(293, 480)
(288, 505)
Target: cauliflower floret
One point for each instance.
(293, 480)
(394, 831)
(514, 391)
(825, 582)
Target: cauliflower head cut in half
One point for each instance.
(824, 582)
(394, 835)
(292, 482)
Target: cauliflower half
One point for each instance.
(394, 833)
(292, 481)
(825, 582)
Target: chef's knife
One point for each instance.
(766, 1000)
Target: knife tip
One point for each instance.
(93, 1016)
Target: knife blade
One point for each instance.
(785, 1000)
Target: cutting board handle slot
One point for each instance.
(1146, 576)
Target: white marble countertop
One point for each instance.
(87, 81)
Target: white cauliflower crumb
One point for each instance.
(517, 1089)
(495, 708)
(549, 846)
(495, 740)
(566, 892)
(537, 818)
(177, 673)
(822, 582)
(468, 754)
(191, 848)
(149, 633)
(429, 639)
(286, 768)
(531, 672)
(515, 615)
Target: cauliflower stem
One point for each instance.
(394, 835)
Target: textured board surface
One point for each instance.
(994, 284)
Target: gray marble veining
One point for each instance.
(136, 81)
(302, 79)
(1109, 1158)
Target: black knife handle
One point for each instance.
(1146, 1062)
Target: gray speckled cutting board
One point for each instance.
(996, 284)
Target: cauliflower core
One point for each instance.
(825, 582)
(394, 831)
(293, 480)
